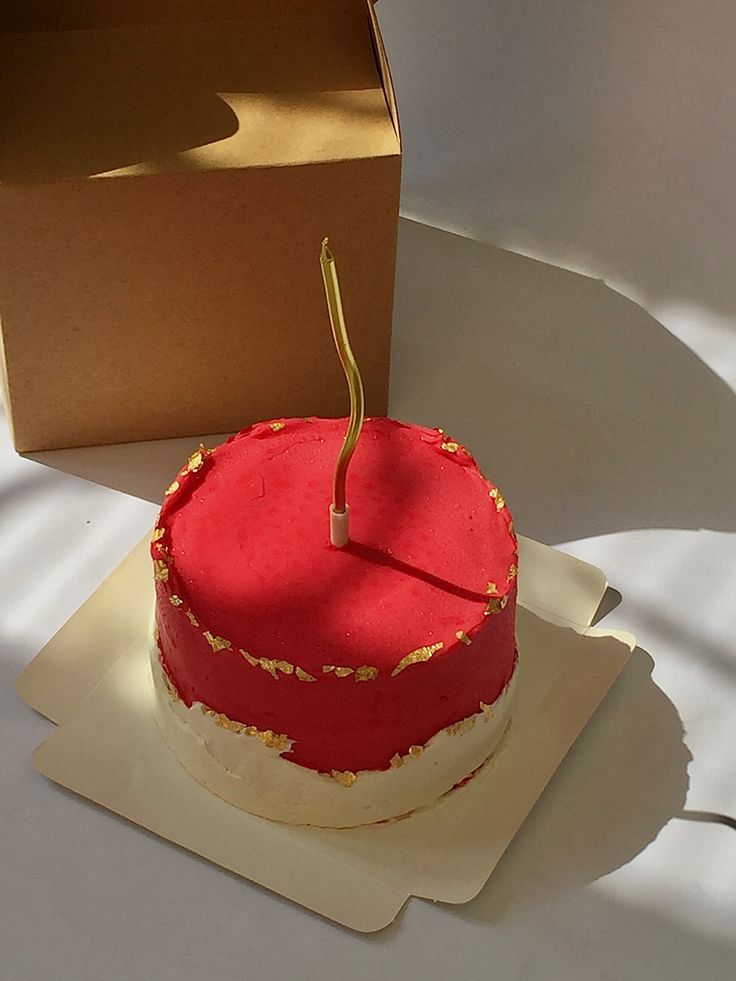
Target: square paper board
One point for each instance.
(110, 750)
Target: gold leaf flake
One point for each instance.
(172, 488)
(272, 739)
(160, 570)
(492, 589)
(268, 665)
(156, 633)
(253, 661)
(276, 426)
(396, 761)
(512, 531)
(304, 675)
(284, 667)
(487, 710)
(415, 657)
(195, 461)
(416, 751)
(175, 600)
(451, 446)
(496, 605)
(461, 635)
(192, 619)
(224, 723)
(343, 672)
(169, 686)
(326, 668)
(158, 534)
(496, 495)
(267, 736)
(512, 573)
(464, 725)
(216, 643)
(366, 673)
(345, 777)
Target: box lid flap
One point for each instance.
(52, 15)
(249, 93)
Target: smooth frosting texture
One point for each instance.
(354, 655)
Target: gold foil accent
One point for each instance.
(175, 600)
(366, 673)
(396, 761)
(160, 571)
(158, 534)
(451, 446)
(415, 657)
(156, 633)
(487, 710)
(464, 725)
(512, 530)
(267, 736)
(415, 751)
(172, 488)
(197, 458)
(345, 777)
(512, 573)
(495, 605)
(492, 589)
(327, 668)
(461, 635)
(343, 672)
(169, 686)
(276, 426)
(304, 675)
(216, 643)
(496, 496)
(271, 665)
(191, 618)
(270, 739)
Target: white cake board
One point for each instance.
(93, 679)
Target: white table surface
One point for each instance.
(610, 427)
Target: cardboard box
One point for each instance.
(166, 178)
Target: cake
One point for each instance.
(324, 686)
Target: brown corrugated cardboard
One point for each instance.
(166, 179)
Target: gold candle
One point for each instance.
(339, 509)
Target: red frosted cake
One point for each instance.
(327, 686)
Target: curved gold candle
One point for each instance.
(352, 374)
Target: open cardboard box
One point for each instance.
(167, 174)
(93, 678)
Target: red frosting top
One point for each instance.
(246, 547)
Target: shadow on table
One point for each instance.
(613, 793)
(592, 416)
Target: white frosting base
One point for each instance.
(242, 770)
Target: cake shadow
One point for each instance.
(609, 799)
(590, 414)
